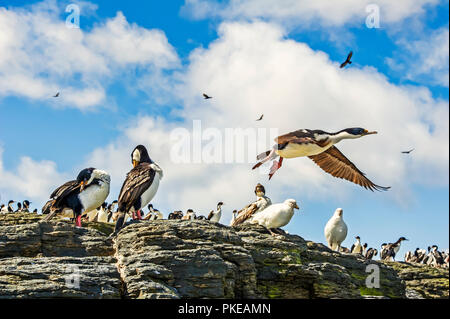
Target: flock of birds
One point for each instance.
(85, 196)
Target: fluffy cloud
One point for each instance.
(39, 55)
(30, 180)
(326, 13)
(424, 60)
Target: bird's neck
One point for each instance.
(339, 136)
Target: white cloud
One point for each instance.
(425, 60)
(32, 180)
(39, 55)
(325, 13)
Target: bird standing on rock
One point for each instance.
(139, 187)
(275, 216)
(215, 215)
(336, 230)
(261, 203)
(84, 194)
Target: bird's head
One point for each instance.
(357, 237)
(402, 239)
(292, 203)
(434, 247)
(219, 205)
(190, 211)
(11, 202)
(339, 212)
(140, 155)
(383, 245)
(104, 205)
(19, 205)
(26, 203)
(365, 245)
(260, 190)
(87, 176)
(355, 132)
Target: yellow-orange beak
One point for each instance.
(366, 132)
(135, 163)
(296, 206)
(82, 185)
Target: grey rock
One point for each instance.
(59, 277)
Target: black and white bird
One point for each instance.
(19, 208)
(275, 215)
(371, 252)
(35, 211)
(26, 206)
(190, 215)
(200, 217)
(178, 214)
(3, 209)
(260, 118)
(357, 248)
(111, 210)
(206, 97)
(348, 60)
(56, 95)
(84, 194)
(140, 185)
(336, 230)
(102, 215)
(261, 203)
(408, 152)
(215, 215)
(10, 208)
(153, 213)
(390, 250)
(319, 147)
(233, 216)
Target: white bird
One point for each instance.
(336, 230)
(102, 215)
(215, 216)
(276, 215)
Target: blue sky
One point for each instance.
(142, 95)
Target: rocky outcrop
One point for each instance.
(423, 281)
(185, 259)
(199, 259)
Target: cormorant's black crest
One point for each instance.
(144, 157)
(354, 131)
(85, 174)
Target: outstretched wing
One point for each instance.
(138, 180)
(349, 56)
(335, 163)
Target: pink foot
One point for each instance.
(78, 221)
(139, 216)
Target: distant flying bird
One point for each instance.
(260, 118)
(206, 96)
(349, 56)
(56, 95)
(319, 146)
(407, 152)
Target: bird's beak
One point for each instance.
(135, 163)
(366, 132)
(296, 206)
